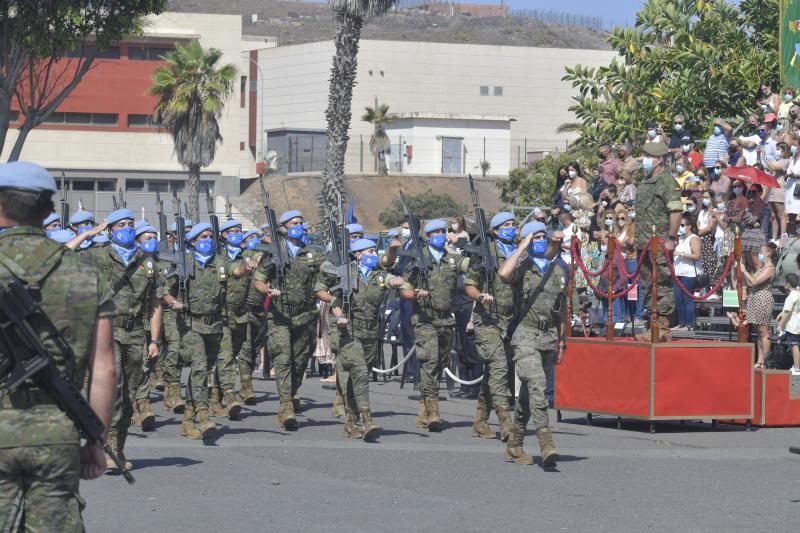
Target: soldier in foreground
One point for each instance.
(539, 284)
(41, 458)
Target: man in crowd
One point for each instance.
(608, 163)
(687, 149)
(717, 144)
(679, 130)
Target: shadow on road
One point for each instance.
(139, 464)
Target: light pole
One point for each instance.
(258, 108)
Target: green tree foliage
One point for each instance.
(426, 205)
(702, 58)
(534, 185)
(193, 90)
(47, 46)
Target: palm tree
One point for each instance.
(193, 92)
(350, 16)
(379, 143)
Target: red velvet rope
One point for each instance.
(683, 289)
(576, 256)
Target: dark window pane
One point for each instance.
(498, 91)
(104, 119)
(110, 53)
(14, 116)
(156, 54)
(106, 185)
(157, 186)
(177, 186)
(137, 52)
(134, 185)
(207, 185)
(484, 90)
(82, 185)
(78, 118)
(55, 118)
(140, 121)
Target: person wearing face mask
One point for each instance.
(787, 101)
(51, 223)
(679, 130)
(753, 236)
(457, 236)
(252, 351)
(711, 234)
(750, 140)
(494, 308)
(658, 205)
(787, 261)
(717, 144)
(609, 164)
(356, 231)
(720, 183)
(610, 228)
(760, 300)
(574, 186)
(432, 295)
(791, 198)
(654, 133)
(292, 312)
(688, 266)
(693, 156)
(359, 338)
(201, 324)
(768, 101)
(537, 340)
(561, 176)
(134, 281)
(777, 195)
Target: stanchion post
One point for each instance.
(654, 333)
(575, 248)
(610, 292)
(741, 330)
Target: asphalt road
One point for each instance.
(256, 477)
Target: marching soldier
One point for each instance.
(51, 223)
(432, 294)
(133, 276)
(40, 451)
(292, 312)
(201, 324)
(493, 311)
(256, 322)
(359, 342)
(539, 286)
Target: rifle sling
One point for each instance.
(530, 300)
(126, 277)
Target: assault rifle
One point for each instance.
(212, 217)
(163, 244)
(184, 268)
(340, 257)
(64, 202)
(422, 261)
(228, 207)
(481, 248)
(31, 360)
(277, 255)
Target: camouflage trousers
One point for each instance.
(129, 359)
(39, 489)
(434, 341)
(200, 351)
(234, 338)
(353, 365)
(254, 342)
(530, 361)
(494, 389)
(170, 353)
(148, 366)
(290, 348)
(665, 298)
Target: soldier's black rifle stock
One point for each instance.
(182, 267)
(64, 202)
(480, 247)
(228, 207)
(163, 242)
(422, 261)
(340, 257)
(273, 253)
(214, 219)
(31, 360)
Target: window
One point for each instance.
(141, 121)
(243, 92)
(14, 116)
(93, 119)
(78, 118)
(54, 118)
(147, 53)
(498, 91)
(106, 185)
(82, 185)
(177, 186)
(108, 53)
(134, 185)
(241, 146)
(157, 186)
(484, 90)
(104, 119)
(207, 186)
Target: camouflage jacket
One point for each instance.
(74, 295)
(657, 197)
(442, 285)
(504, 300)
(206, 296)
(542, 319)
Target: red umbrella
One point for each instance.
(751, 174)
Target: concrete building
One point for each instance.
(103, 137)
(509, 99)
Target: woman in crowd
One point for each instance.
(720, 183)
(777, 195)
(561, 177)
(457, 235)
(759, 297)
(688, 265)
(710, 233)
(654, 133)
(575, 183)
(753, 236)
(791, 194)
(789, 319)
(766, 99)
(626, 230)
(610, 228)
(787, 101)
(735, 153)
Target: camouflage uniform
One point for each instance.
(290, 320)
(490, 320)
(359, 345)
(133, 302)
(433, 327)
(657, 197)
(256, 333)
(170, 353)
(39, 445)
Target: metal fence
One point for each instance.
(560, 17)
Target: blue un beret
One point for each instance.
(501, 218)
(228, 224)
(26, 176)
(532, 227)
(100, 238)
(197, 230)
(392, 233)
(361, 245)
(355, 228)
(120, 214)
(145, 228)
(79, 217)
(53, 217)
(265, 226)
(63, 235)
(139, 223)
(250, 234)
(289, 215)
(435, 225)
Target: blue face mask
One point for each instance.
(507, 234)
(251, 244)
(369, 261)
(124, 236)
(50, 233)
(437, 241)
(567, 207)
(204, 247)
(149, 246)
(235, 239)
(304, 239)
(84, 229)
(538, 248)
(296, 232)
(647, 165)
